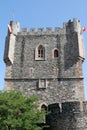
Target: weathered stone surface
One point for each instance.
(53, 79)
(67, 117)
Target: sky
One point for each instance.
(41, 13)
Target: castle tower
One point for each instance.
(46, 63)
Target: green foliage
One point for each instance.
(18, 112)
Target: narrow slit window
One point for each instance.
(44, 107)
(55, 53)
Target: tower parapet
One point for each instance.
(69, 27)
(72, 26)
(42, 31)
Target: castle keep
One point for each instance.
(48, 64)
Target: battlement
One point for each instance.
(68, 116)
(68, 107)
(69, 27)
(13, 27)
(41, 31)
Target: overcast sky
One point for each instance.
(41, 13)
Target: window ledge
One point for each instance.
(40, 59)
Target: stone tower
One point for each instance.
(49, 64)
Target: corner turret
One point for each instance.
(13, 29)
(72, 26)
(72, 29)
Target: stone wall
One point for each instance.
(57, 81)
(67, 116)
(60, 74)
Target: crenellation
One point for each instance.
(48, 30)
(54, 107)
(32, 30)
(40, 30)
(69, 27)
(24, 30)
(72, 26)
(68, 107)
(69, 118)
(59, 30)
(15, 27)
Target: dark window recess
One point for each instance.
(41, 51)
(55, 53)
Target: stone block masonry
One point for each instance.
(67, 116)
(48, 64)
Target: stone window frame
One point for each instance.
(53, 53)
(31, 71)
(44, 106)
(55, 71)
(42, 84)
(40, 52)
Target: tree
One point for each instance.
(18, 112)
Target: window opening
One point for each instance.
(55, 53)
(44, 107)
(41, 51)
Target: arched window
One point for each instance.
(41, 51)
(55, 53)
(43, 106)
